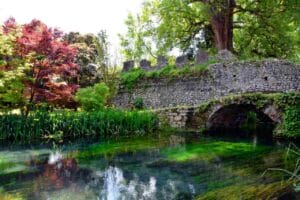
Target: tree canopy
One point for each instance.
(35, 65)
(268, 28)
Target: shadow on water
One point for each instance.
(180, 166)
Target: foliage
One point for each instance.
(92, 98)
(86, 47)
(12, 67)
(267, 28)
(36, 65)
(138, 103)
(292, 154)
(130, 78)
(291, 122)
(105, 123)
(134, 43)
(108, 70)
(51, 60)
(248, 192)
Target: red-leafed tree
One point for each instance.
(52, 65)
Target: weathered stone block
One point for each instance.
(161, 62)
(128, 65)
(201, 57)
(225, 55)
(145, 65)
(181, 61)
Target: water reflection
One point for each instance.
(60, 176)
(117, 187)
(178, 170)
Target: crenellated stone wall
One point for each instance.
(220, 80)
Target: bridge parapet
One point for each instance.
(221, 79)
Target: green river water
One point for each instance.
(161, 167)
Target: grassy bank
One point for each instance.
(70, 124)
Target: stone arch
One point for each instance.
(234, 116)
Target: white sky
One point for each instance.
(85, 16)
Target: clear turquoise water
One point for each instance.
(173, 167)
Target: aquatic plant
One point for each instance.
(249, 192)
(209, 151)
(106, 123)
(293, 175)
(8, 196)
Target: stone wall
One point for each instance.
(220, 80)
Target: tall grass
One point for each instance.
(107, 123)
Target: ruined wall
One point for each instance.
(220, 80)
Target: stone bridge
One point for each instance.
(226, 113)
(182, 99)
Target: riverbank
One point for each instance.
(62, 124)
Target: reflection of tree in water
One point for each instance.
(57, 172)
(63, 174)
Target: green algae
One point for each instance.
(212, 150)
(114, 147)
(214, 165)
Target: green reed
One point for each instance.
(66, 124)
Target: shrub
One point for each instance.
(130, 78)
(92, 98)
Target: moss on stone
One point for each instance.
(131, 78)
(288, 103)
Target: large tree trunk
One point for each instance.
(222, 23)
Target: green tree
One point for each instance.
(267, 28)
(12, 67)
(86, 47)
(138, 41)
(109, 73)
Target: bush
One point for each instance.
(92, 98)
(106, 123)
(129, 79)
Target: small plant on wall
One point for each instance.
(138, 103)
